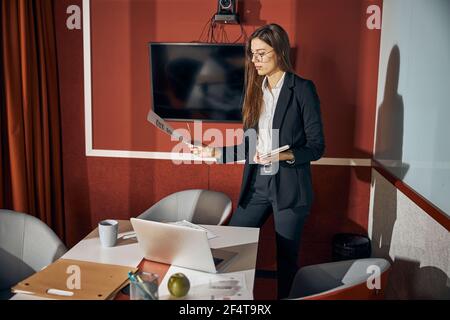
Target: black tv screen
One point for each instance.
(197, 81)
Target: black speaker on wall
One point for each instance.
(226, 12)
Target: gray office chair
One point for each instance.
(26, 245)
(196, 206)
(340, 280)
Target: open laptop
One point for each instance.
(180, 246)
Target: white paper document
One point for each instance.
(208, 286)
(188, 224)
(274, 152)
(162, 125)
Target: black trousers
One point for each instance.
(257, 206)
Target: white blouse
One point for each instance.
(270, 99)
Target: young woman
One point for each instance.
(278, 105)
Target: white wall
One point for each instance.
(417, 246)
(413, 113)
(412, 141)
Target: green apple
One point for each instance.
(178, 285)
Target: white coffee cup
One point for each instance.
(108, 230)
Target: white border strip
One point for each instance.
(343, 162)
(188, 157)
(148, 155)
(90, 152)
(87, 77)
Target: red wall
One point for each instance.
(334, 49)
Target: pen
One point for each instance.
(129, 236)
(140, 284)
(60, 292)
(189, 129)
(144, 287)
(190, 136)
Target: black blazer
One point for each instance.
(298, 118)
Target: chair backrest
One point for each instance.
(26, 245)
(196, 206)
(340, 280)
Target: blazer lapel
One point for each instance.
(283, 100)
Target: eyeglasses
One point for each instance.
(260, 56)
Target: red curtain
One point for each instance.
(30, 154)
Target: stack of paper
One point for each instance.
(207, 286)
(274, 152)
(188, 224)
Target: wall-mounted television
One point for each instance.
(197, 81)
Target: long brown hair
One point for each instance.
(276, 37)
